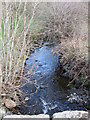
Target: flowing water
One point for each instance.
(44, 90)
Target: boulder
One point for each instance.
(10, 103)
(71, 114)
(27, 117)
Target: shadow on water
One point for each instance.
(44, 90)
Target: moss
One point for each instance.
(87, 106)
(33, 37)
(71, 85)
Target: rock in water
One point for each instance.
(10, 103)
(27, 98)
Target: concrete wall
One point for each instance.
(66, 115)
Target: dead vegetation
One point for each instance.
(66, 23)
(16, 23)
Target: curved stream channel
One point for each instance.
(44, 90)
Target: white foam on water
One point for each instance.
(45, 110)
(47, 106)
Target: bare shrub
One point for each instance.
(66, 22)
(16, 23)
(69, 24)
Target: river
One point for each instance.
(44, 90)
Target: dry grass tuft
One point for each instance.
(68, 24)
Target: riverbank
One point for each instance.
(74, 62)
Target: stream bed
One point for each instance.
(44, 90)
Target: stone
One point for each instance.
(74, 98)
(27, 117)
(43, 86)
(66, 115)
(26, 98)
(10, 103)
(2, 113)
(70, 115)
